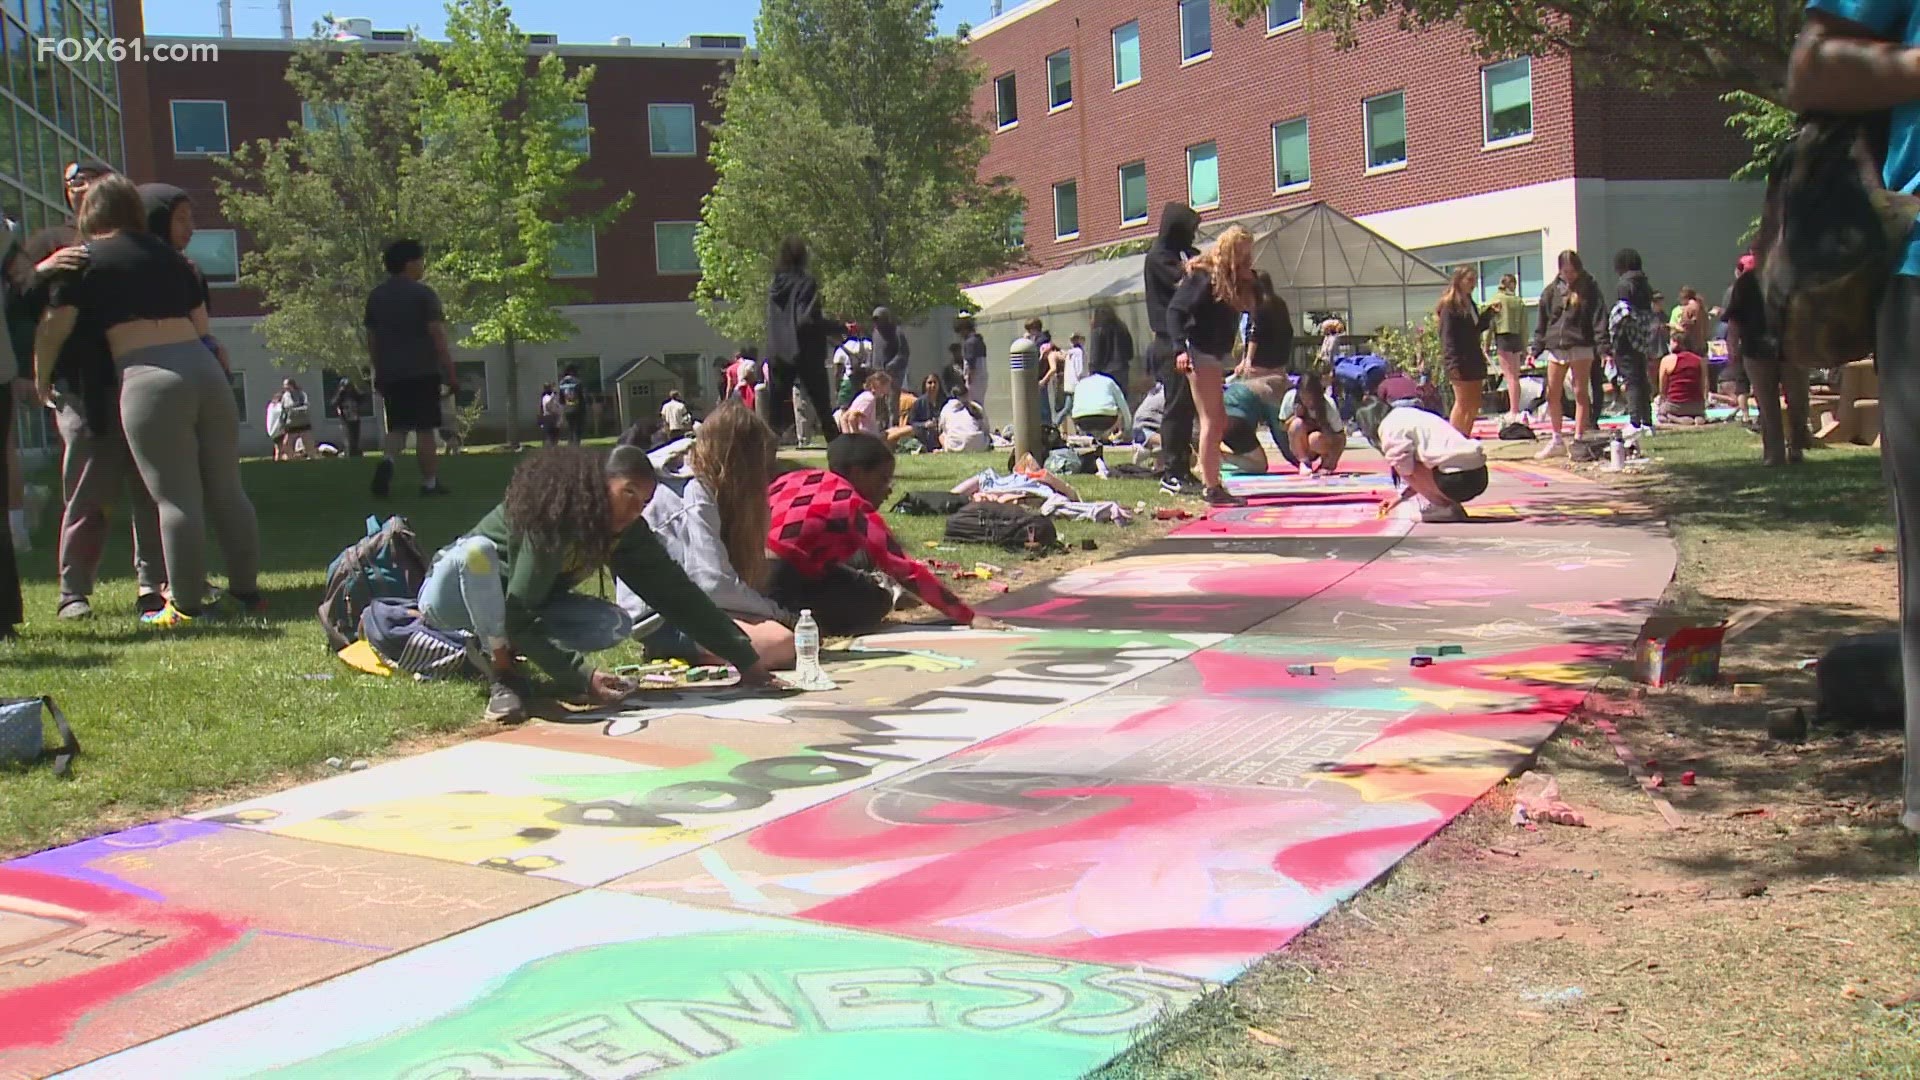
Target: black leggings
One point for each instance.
(843, 600)
(12, 611)
(1633, 375)
(812, 377)
(1176, 427)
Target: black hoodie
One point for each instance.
(1111, 347)
(160, 199)
(85, 366)
(796, 327)
(1201, 322)
(1166, 262)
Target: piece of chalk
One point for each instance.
(1421, 661)
(1451, 650)
(1299, 669)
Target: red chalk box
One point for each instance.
(1672, 650)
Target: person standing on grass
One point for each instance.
(349, 405)
(1461, 324)
(1510, 339)
(1784, 436)
(676, 416)
(549, 420)
(412, 361)
(573, 404)
(973, 357)
(12, 610)
(95, 464)
(822, 519)
(181, 422)
(297, 417)
(1204, 315)
(798, 339)
(1569, 336)
(1638, 338)
(1165, 266)
(894, 355)
(22, 317)
(1111, 347)
(568, 514)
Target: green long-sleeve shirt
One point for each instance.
(535, 576)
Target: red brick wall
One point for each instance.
(260, 104)
(1251, 81)
(1634, 135)
(128, 24)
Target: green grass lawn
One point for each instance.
(179, 719)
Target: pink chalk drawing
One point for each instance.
(1325, 518)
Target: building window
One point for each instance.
(199, 127)
(1292, 169)
(1017, 230)
(1282, 15)
(1066, 210)
(673, 250)
(579, 138)
(327, 116)
(1196, 29)
(1493, 257)
(1386, 120)
(670, 131)
(1203, 176)
(1006, 100)
(1126, 55)
(1060, 80)
(574, 252)
(472, 388)
(1506, 92)
(1133, 193)
(217, 253)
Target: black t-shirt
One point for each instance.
(130, 276)
(399, 311)
(1746, 309)
(1271, 328)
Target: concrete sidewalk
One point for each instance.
(987, 854)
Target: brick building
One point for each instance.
(1105, 110)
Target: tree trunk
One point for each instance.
(513, 395)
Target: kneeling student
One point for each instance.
(822, 519)
(1439, 467)
(567, 513)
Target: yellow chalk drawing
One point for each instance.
(1563, 674)
(462, 826)
(906, 659)
(1360, 663)
(1541, 510)
(1452, 699)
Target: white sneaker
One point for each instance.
(1554, 446)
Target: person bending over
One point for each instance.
(1250, 405)
(824, 518)
(1316, 432)
(1100, 403)
(1434, 464)
(714, 525)
(509, 581)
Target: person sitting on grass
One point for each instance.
(963, 425)
(567, 514)
(1683, 382)
(1252, 404)
(923, 419)
(823, 520)
(1316, 432)
(714, 525)
(1431, 461)
(1100, 404)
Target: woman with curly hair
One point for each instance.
(1205, 316)
(715, 528)
(568, 513)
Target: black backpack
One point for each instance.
(930, 503)
(386, 565)
(1000, 523)
(1829, 236)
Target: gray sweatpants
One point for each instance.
(1898, 363)
(184, 432)
(95, 467)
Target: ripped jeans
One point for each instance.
(465, 590)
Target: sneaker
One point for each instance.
(1173, 485)
(75, 608)
(168, 618)
(149, 602)
(1220, 496)
(1306, 470)
(383, 478)
(436, 488)
(1554, 446)
(1443, 513)
(504, 703)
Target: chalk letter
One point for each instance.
(687, 1023)
(601, 1060)
(483, 1067)
(1044, 998)
(1151, 993)
(843, 1003)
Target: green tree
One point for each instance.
(1653, 44)
(503, 127)
(320, 203)
(852, 125)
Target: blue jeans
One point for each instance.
(465, 590)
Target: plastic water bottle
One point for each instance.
(1616, 453)
(806, 645)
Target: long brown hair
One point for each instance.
(1229, 263)
(732, 458)
(1570, 260)
(1459, 295)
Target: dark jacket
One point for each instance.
(1199, 320)
(1166, 263)
(1111, 348)
(892, 352)
(796, 327)
(1460, 330)
(160, 199)
(85, 367)
(1571, 317)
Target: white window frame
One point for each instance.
(1139, 59)
(1366, 129)
(584, 133)
(234, 236)
(1053, 106)
(1075, 234)
(1281, 28)
(1487, 141)
(1306, 125)
(173, 121)
(593, 250)
(1215, 204)
(1017, 230)
(1146, 212)
(1187, 57)
(1000, 120)
(691, 113)
(307, 115)
(663, 271)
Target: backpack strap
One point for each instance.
(69, 744)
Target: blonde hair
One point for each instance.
(732, 458)
(1229, 262)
